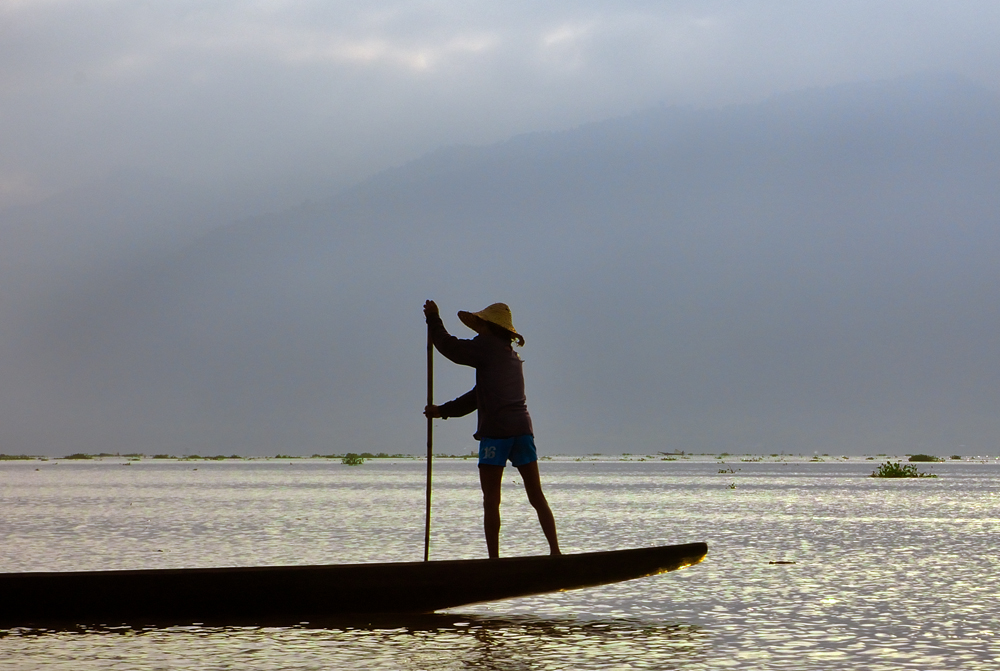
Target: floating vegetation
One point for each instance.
(82, 455)
(351, 459)
(897, 470)
(956, 456)
(732, 485)
(191, 457)
(383, 455)
(924, 457)
(15, 457)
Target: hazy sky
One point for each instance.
(309, 96)
(128, 127)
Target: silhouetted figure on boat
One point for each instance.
(504, 427)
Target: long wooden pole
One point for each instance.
(430, 442)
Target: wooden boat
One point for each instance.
(305, 593)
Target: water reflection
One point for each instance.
(401, 642)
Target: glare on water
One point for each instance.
(887, 574)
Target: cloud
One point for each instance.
(322, 94)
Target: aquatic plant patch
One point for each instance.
(897, 470)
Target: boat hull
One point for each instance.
(304, 593)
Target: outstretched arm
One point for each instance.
(461, 406)
(460, 351)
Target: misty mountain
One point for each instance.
(817, 272)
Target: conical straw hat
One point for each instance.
(498, 314)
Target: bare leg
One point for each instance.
(490, 478)
(533, 488)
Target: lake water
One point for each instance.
(888, 574)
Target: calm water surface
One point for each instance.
(888, 574)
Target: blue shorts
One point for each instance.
(520, 450)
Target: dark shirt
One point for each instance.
(499, 391)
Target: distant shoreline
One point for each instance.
(722, 457)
